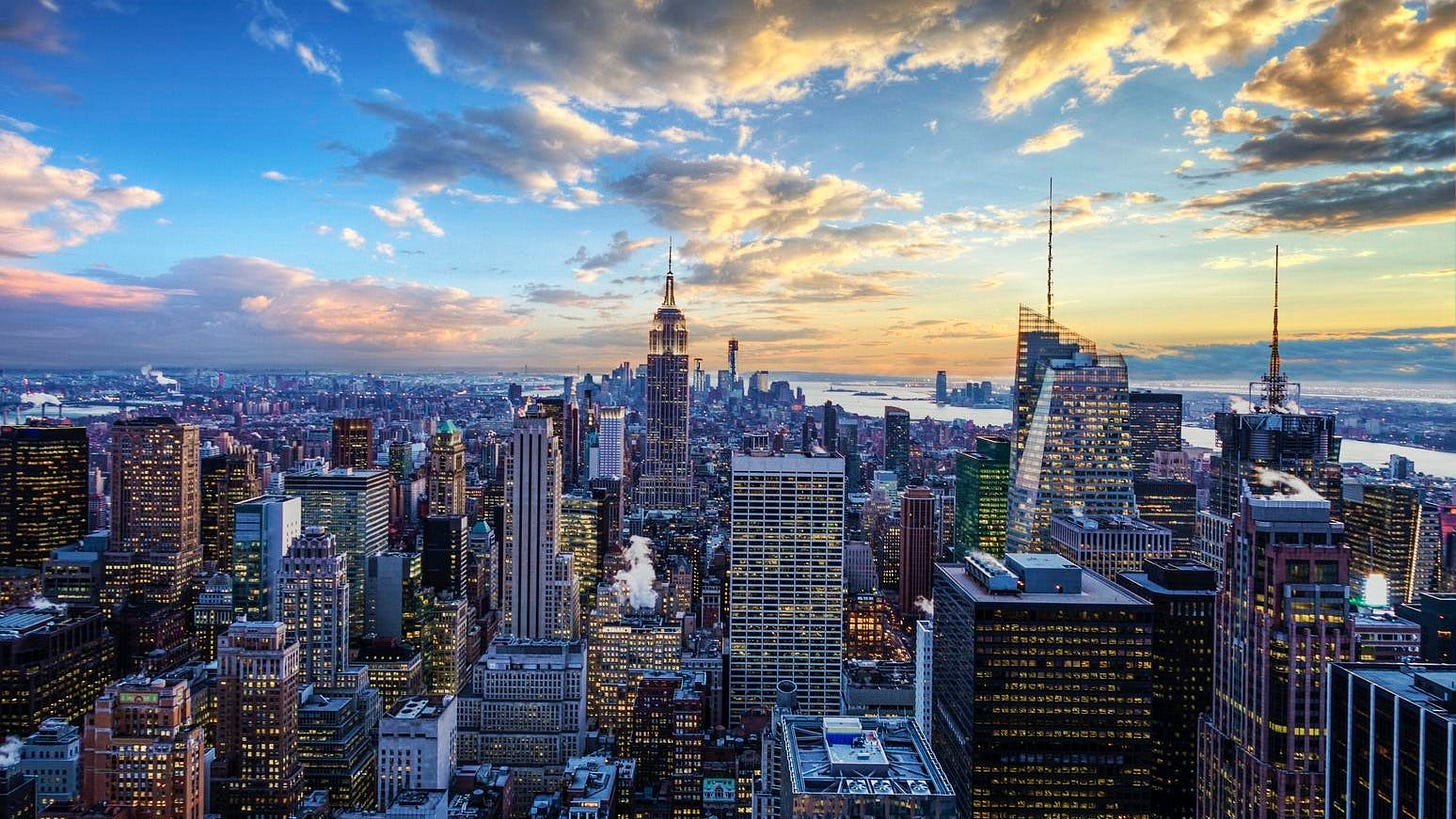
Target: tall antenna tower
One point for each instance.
(1050, 205)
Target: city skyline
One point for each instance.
(367, 185)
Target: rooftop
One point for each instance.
(1430, 686)
(861, 756)
(1095, 590)
(428, 707)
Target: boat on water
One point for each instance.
(871, 394)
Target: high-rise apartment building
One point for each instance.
(1392, 728)
(1043, 689)
(1280, 618)
(257, 772)
(143, 749)
(447, 471)
(336, 738)
(919, 540)
(667, 469)
(228, 479)
(353, 504)
(1182, 593)
(786, 581)
(352, 443)
(897, 443)
(983, 480)
(540, 588)
(263, 527)
(1156, 420)
(616, 645)
(156, 489)
(1074, 446)
(446, 539)
(313, 593)
(43, 491)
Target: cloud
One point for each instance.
(705, 55)
(426, 52)
(44, 208)
(351, 237)
(32, 26)
(1234, 120)
(1059, 137)
(933, 126)
(1443, 273)
(1369, 47)
(273, 30)
(276, 176)
(384, 249)
(406, 212)
(678, 135)
(567, 297)
(339, 5)
(541, 146)
(1403, 128)
(621, 248)
(1362, 200)
(1418, 354)
(195, 313)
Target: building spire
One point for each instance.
(1050, 202)
(668, 299)
(1276, 385)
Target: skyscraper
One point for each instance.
(143, 749)
(257, 772)
(353, 505)
(313, 591)
(1279, 620)
(443, 553)
(941, 393)
(983, 480)
(228, 479)
(447, 471)
(918, 543)
(667, 470)
(897, 443)
(352, 443)
(540, 587)
(43, 491)
(1383, 528)
(1075, 450)
(611, 441)
(1157, 426)
(155, 509)
(263, 527)
(786, 581)
(829, 435)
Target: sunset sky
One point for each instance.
(852, 186)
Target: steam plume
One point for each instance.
(634, 583)
(40, 398)
(10, 751)
(1240, 405)
(1291, 486)
(157, 377)
(925, 605)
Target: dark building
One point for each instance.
(897, 443)
(17, 794)
(1182, 594)
(667, 469)
(43, 504)
(983, 481)
(1392, 728)
(918, 542)
(227, 480)
(446, 538)
(336, 736)
(1043, 689)
(53, 663)
(1157, 425)
(1436, 615)
(1383, 528)
(352, 444)
(1173, 505)
(829, 434)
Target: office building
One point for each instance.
(228, 479)
(1172, 504)
(1385, 534)
(416, 746)
(1280, 618)
(919, 546)
(942, 393)
(396, 586)
(446, 538)
(263, 527)
(1392, 728)
(1156, 420)
(1435, 613)
(256, 772)
(446, 642)
(336, 731)
(52, 757)
(859, 768)
(540, 593)
(156, 486)
(786, 581)
(897, 444)
(43, 491)
(1043, 689)
(611, 443)
(313, 590)
(983, 480)
(1182, 594)
(353, 505)
(352, 443)
(53, 663)
(1109, 544)
(618, 645)
(1379, 636)
(667, 469)
(144, 749)
(447, 471)
(213, 612)
(1073, 449)
(396, 669)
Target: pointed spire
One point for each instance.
(1276, 385)
(668, 299)
(1050, 202)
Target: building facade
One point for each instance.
(43, 491)
(667, 469)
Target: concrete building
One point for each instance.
(353, 504)
(256, 772)
(52, 757)
(156, 485)
(540, 594)
(667, 468)
(313, 590)
(416, 746)
(859, 768)
(143, 749)
(43, 491)
(1109, 544)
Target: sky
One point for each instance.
(848, 186)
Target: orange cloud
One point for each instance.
(23, 284)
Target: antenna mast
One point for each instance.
(1050, 202)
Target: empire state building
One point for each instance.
(667, 473)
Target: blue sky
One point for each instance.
(850, 185)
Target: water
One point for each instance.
(1371, 453)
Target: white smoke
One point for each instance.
(634, 583)
(925, 605)
(157, 377)
(1292, 407)
(1241, 405)
(44, 604)
(1291, 486)
(10, 751)
(40, 398)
